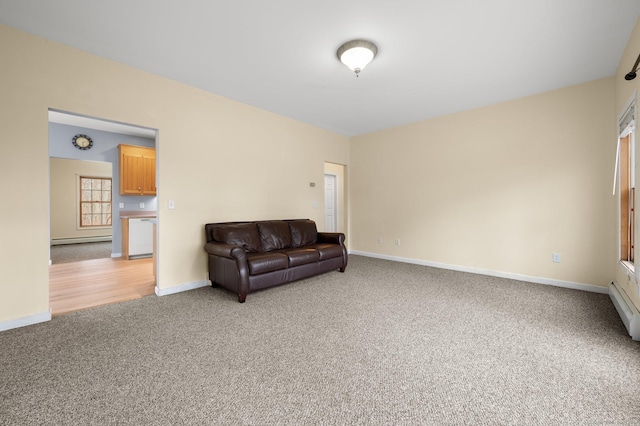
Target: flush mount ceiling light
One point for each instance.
(356, 54)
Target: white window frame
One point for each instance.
(629, 129)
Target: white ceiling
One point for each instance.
(435, 56)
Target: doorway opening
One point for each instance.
(330, 202)
(334, 197)
(87, 267)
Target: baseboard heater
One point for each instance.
(79, 240)
(628, 313)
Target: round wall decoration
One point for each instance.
(82, 142)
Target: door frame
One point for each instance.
(113, 127)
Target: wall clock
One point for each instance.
(82, 142)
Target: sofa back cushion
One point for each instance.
(238, 234)
(303, 232)
(274, 235)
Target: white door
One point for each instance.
(330, 203)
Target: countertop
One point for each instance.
(133, 214)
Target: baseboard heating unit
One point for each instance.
(628, 313)
(80, 240)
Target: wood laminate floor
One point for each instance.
(89, 283)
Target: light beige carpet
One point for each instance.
(382, 344)
(66, 253)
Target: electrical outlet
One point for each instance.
(171, 205)
(142, 205)
(397, 242)
(555, 257)
(121, 205)
(379, 240)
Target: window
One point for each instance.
(626, 163)
(95, 201)
(627, 192)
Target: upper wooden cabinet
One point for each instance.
(137, 170)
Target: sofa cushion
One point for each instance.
(303, 232)
(259, 263)
(239, 234)
(274, 235)
(301, 256)
(327, 251)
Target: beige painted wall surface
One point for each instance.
(218, 159)
(498, 188)
(625, 90)
(64, 196)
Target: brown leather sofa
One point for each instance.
(249, 256)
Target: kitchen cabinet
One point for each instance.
(137, 170)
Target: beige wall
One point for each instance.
(65, 175)
(625, 90)
(218, 159)
(498, 188)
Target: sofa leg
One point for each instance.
(342, 269)
(242, 298)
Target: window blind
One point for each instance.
(627, 118)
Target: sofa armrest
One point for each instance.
(224, 250)
(331, 238)
(236, 277)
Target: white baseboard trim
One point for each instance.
(537, 280)
(180, 288)
(24, 321)
(114, 255)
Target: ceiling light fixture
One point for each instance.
(356, 54)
